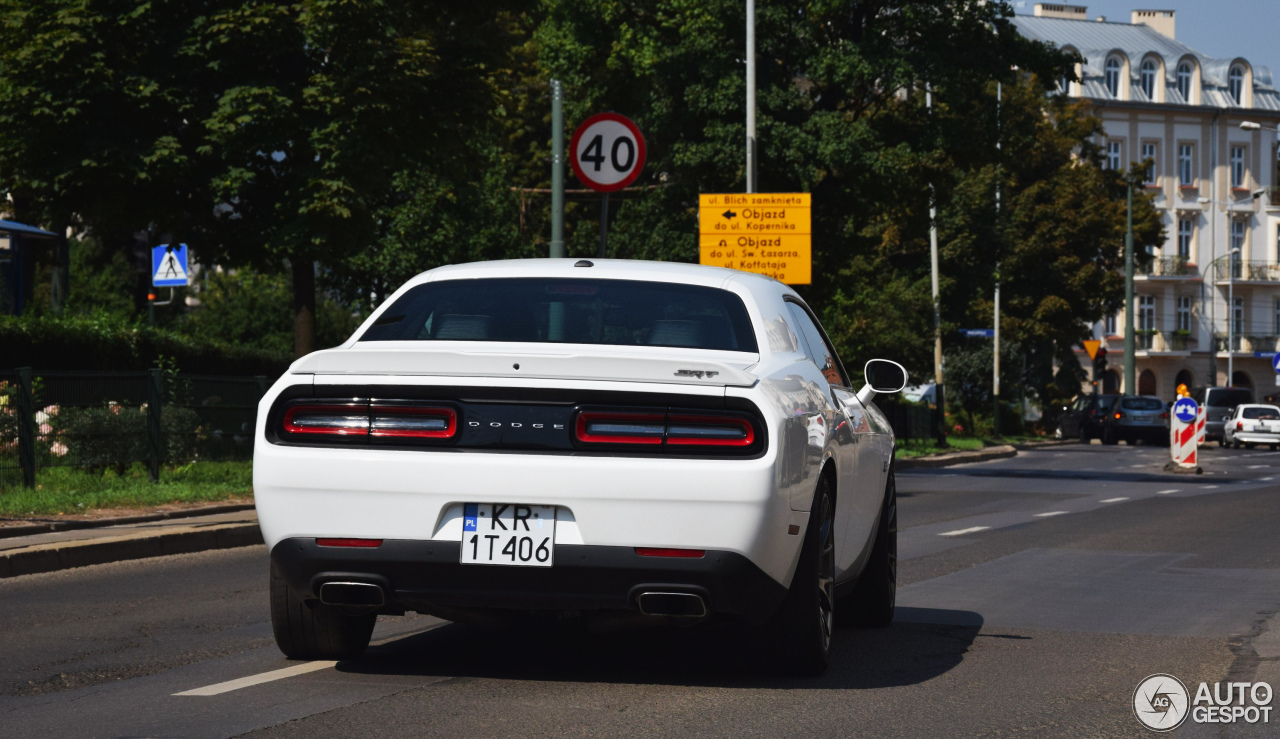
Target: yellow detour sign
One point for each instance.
(767, 233)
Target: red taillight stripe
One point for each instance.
(357, 543)
(587, 418)
(353, 412)
(448, 415)
(665, 552)
(710, 423)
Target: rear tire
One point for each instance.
(1109, 437)
(799, 632)
(309, 629)
(1084, 434)
(871, 602)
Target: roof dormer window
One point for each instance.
(1148, 79)
(1235, 84)
(1184, 81)
(1112, 77)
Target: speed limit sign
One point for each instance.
(607, 152)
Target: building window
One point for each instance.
(1110, 328)
(1186, 165)
(1277, 324)
(1146, 320)
(1237, 237)
(1237, 166)
(1184, 81)
(1113, 77)
(1237, 319)
(1149, 79)
(1184, 313)
(1113, 155)
(1149, 152)
(1235, 84)
(1186, 229)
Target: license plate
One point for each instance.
(1142, 419)
(508, 534)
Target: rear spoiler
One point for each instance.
(445, 363)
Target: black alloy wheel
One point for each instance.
(799, 633)
(872, 600)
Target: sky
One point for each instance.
(1216, 28)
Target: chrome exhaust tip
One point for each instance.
(352, 594)
(679, 605)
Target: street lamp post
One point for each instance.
(1232, 253)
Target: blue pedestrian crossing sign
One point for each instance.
(169, 266)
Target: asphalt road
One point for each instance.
(1036, 593)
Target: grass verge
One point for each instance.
(70, 490)
(925, 447)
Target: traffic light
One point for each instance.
(1099, 366)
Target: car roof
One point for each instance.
(1259, 405)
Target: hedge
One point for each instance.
(90, 343)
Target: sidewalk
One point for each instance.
(126, 539)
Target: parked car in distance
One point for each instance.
(1083, 418)
(1134, 418)
(1218, 402)
(1250, 425)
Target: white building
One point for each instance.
(1210, 127)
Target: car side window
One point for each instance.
(818, 350)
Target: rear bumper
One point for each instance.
(427, 576)
(1253, 437)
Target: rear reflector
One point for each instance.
(418, 422)
(358, 543)
(334, 420)
(659, 552)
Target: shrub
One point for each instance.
(115, 436)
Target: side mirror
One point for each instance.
(882, 376)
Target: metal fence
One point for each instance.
(101, 420)
(910, 421)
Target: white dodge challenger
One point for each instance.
(617, 440)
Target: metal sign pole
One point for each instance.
(751, 95)
(604, 224)
(557, 170)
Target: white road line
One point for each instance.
(1257, 467)
(1051, 513)
(1166, 492)
(1112, 500)
(969, 530)
(1206, 487)
(264, 677)
(1266, 479)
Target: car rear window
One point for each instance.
(1261, 414)
(1228, 397)
(1142, 404)
(573, 311)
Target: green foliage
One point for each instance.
(252, 309)
(73, 343)
(62, 490)
(115, 436)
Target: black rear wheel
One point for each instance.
(873, 597)
(800, 631)
(309, 629)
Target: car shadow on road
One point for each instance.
(920, 645)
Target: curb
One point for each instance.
(185, 540)
(7, 532)
(947, 460)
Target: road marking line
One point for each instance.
(1051, 513)
(1113, 500)
(1206, 487)
(1166, 492)
(1257, 467)
(969, 530)
(264, 677)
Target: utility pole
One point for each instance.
(1212, 282)
(751, 95)
(937, 302)
(995, 364)
(557, 170)
(1130, 387)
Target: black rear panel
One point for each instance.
(515, 419)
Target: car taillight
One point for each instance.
(1239, 425)
(1164, 415)
(401, 421)
(331, 420)
(669, 429)
(710, 431)
(1119, 415)
(595, 427)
